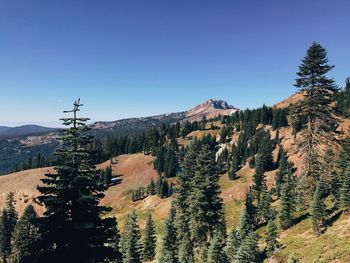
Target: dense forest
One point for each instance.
(75, 228)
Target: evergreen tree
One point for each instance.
(315, 109)
(216, 253)
(232, 245)
(345, 190)
(72, 227)
(248, 250)
(265, 211)
(287, 204)
(185, 244)
(151, 188)
(318, 208)
(232, 173)
(205, 204)
(131, 241)
(265, 151)
(271, 240)
(259, 177)
(26, 233)
(8, 223)
(115, 245)
(282, 172)
(246, 222)
(182, 202)
(169, 252)
(149, 241)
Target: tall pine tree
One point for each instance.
(131, 247)
(205, 204)
(271, 240)
(315, 109)
(26, 233)
(8, 223)
(149, 241)
(169, 251)
(287, 203)
(72, 228)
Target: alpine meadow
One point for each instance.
(265, 180)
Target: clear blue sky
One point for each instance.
(143, 57)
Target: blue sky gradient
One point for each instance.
(139, 58)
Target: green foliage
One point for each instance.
(169, 251)
(232, 245)
(216, 253)
(319, 122)
(149, 240)
(271, 240)
(292, 259)
(8, 223)
(345, 190)
(205, 208)
(282, 172)
(247, 217)
(287, 203)
(106, 177)
(248, 250)
(318, 208)
(131, 247)
(26, 233)
(343, 99)
(258, 176)
(139, 194)
(151, 189)
(185, 243)
(265, 212)
(72, 226)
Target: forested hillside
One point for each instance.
(270, 184)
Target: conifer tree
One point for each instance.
(151, 188)
(265, 211)
(345, 190)
(232, 173)
(169, 251)
(232, 245)
(26, 233)
(216, 252)
(246, 222)
(182, 191)
(149, 241)
(115, 245)
(8, 223)
(72, 227)
(258, 177)
(282, 172)
(185, 244)
(271, 239)
(287, 204)
(318, 208)
(131, 241)
(205, 204)
(265, 152)
(315, 109)
(248, 250)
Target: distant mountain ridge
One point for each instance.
(24, 130)
(210, 108)
(19, 143)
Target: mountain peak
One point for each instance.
(210, 108)
(217, 104)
